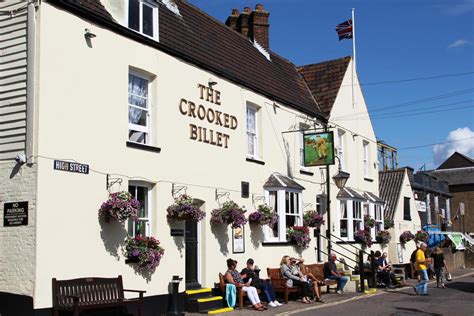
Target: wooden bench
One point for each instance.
(279, 283)
(317, 270)
(240, 293)
(77, 295)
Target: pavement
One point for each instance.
(456, 299)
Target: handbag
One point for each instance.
(449, 278)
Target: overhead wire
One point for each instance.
(429, 145)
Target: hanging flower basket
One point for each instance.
(264, 215)
(369, 221)
(120, 206)
(364, 237)
(183, 209)
(229, 214)
(298, 235)
(421, 236)
(312, 219)
(406, 236)
(383, 237)
(388, 223)
(146, 251)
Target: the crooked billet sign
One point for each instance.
(318, 149)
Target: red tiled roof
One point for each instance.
(324, 80)
(212, 45)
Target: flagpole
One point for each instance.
(354, 69)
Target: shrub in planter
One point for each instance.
(369, 221)
(421, 236)
(406, 236)
(312, 219)
(388, 223)
(364, 237)
(229, 213)
(183, 209)
(383, 237)
(146, 251)
(299, 235)
(264, 215)
(120, 206)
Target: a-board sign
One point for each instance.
(15, 214)
(71, 166)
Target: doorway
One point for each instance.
(192, 253)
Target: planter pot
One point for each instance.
(379, 239)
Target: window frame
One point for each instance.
(366, 159)
(149, 3)
(256, 146)
(135, 127)
(378, 206)
(149, 207)
(341, 144)
(350, 202)
(346, 203)
(282, 213)
(321, 201)
(357, 219)
(406, 202)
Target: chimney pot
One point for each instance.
(235, 12)
(247, 10)
(259, 7)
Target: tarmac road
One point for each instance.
(456, 299)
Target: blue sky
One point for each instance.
(396, 40)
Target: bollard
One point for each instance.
(173, 299)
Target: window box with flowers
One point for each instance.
(298, 235)
(229, 214)
(183, 209)
(120, 207)
(312, 219)
(264, 215)
(146, 251)
(406, 236)
(364, 237)
(383, 237)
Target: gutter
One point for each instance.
(121, 30)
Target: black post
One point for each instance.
(173, 300)
(372, 269)
(361, 270)
(328, 211)
(317, 234)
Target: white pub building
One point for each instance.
(159, 99)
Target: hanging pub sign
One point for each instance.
(318, 149)
(15, 214)
(71, 166)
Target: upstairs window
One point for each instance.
(366, 160)
(143, 17)
(340, 146)
(139, 118)
(252, 132)
(406, 209)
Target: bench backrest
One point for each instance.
(316, 269)
(275, 277)
(222, 282)
(87, 289)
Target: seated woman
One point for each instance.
(294, 280)
(233, 276)
(298, 268)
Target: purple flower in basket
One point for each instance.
(406, 236)
(229, 213)
(421, 236)
(120, 206)
(184, 208)
(264, 215)
(364, 236)
(312, 219)
(146, 249)
(299, 235)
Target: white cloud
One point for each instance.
(459, 8)
(458, 43)
(457, 142)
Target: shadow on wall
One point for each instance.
(114, 236)
(222, 235)
(256, 235)
(15, 304)
(178, 240)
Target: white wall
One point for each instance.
(83, 116)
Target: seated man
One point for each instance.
(252, 272)
(384, 270)
(331, 273)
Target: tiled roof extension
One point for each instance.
(390, 185)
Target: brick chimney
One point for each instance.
(259, 27)
(232, 20)
(253, 24)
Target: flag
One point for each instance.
(344, 30)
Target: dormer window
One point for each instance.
(143, 17)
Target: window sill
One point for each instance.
(352, 242)
(275, 243)
(368, 179)
(307, 173)
(258, 162)
(143, 147)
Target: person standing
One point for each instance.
(252, 272)
(439, 264)
(331, 273)
(421, 265)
